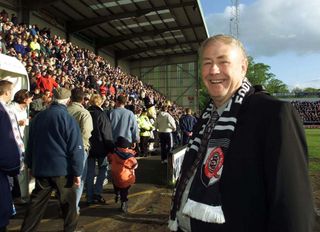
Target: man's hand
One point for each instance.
(77, 181)
(22, 122)
(189, 134)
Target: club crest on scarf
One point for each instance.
(212, 166)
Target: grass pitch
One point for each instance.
(313, 140)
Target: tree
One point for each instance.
(276, 86)
(259, 74)
(311, 90)
(296, 90)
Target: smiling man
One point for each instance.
(245, 167)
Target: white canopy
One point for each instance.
(13, 70)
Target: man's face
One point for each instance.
(223, 69)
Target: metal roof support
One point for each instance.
(36, 4)
(124, 54)
(23, 12)
(104, 42)
(75, 26)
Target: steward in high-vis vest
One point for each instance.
(146, 130)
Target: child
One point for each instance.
(122, 163)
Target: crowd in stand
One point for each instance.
(309, 111)
(51, 61)
(116, 106)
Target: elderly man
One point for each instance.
(245, 168)
(10, 152)
(55, 157)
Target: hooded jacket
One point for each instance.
(123, 163)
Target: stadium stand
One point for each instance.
(308, 111)
(50, 59)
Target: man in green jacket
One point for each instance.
(83, 117)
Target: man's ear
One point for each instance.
(8, 92)
(244, 66)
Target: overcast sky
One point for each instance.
(284, 34)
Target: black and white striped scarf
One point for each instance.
(208, 145)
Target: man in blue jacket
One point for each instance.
(9, 153)
(55, 156)
(123, 122)
(187, 122)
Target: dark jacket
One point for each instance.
(101, 137)
(187, 122)
(55, 145)
(9, 165)
(264, 184)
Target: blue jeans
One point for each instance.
(91, 187)
(83, 177)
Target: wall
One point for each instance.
(176, 77)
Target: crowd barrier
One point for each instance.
(175, 163)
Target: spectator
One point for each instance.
(3, 48)
(34, 45)
(101, 144)
(40, 104)
(123, 122)
(10, 152)
(19, 106)
(246, 169)
(308, 111)
(19, 47)
(165, 125)
(146, 129)
(46, 82)
(123, 165)
(55, 156)
(186, 123)
(84, 120)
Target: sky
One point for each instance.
(284, 34)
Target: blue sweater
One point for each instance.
(124, 123)
(55, 145)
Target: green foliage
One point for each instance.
(203, 98)
(276, 86)
(296, 90)
(259, 74)
(311, 90)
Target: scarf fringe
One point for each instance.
(173, 225)
(203, 212)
